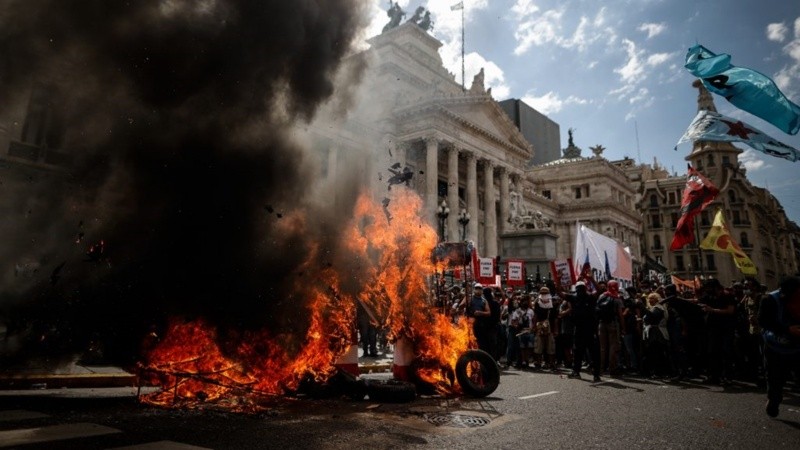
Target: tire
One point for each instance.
(477, 373)
(390, 391)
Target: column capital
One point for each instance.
(487, 163)
(431, 139)
(502, 170)
(469, 155)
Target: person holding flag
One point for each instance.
(697, 195)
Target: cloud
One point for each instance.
(787, 77)
(653, 29)
(777, 32)
(550, 102)
(751, 161)
(537, 28)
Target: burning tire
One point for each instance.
(477, 373)
(391, 391)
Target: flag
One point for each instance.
(652, 264)
(698, 194)
(607, 266)
(713, 126)
(719, 239)
(684, 283)
(457, 6)
(746, 89)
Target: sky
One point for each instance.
(613, 70)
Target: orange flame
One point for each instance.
(393, 282)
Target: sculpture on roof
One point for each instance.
(522, 219)
(422, 20)
(597, 150)
(396, 14)
(478, 86)
(572, 151)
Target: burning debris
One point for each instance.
(399, 176)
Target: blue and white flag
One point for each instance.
(713, 126)
(745, 88)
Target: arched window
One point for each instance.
(743, 239)
(710, 160)
(654, 201)
(732, 196)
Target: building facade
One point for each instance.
(538, 129)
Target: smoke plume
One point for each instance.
(183, 193)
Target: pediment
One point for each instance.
(488, 115)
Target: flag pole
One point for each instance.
(699, 250)
(463, 86)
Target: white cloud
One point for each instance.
(653, 29)
(751, 161)
(787, 78)
(777, 32)
(551, 102)
(536, 28)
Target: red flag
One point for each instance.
(698, 194)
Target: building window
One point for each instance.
(743, 239)
(655, 220)
(710, 160)
(726, 160)
(656, 242)
(671, 198)
(699, 164)
(695, 262)
(737, 219)
(732, 196)
(679, 263)
(704, 218)
(578, 192)
(710, 262)
(653, 201)
(674, 219)
(547, 194)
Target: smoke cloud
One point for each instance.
(177, 117)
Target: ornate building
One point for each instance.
(755, 218)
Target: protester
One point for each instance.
(632, 316)
(479, 310)
(524, 318)
(720, 307)
(545, 327)
(610, 327)
(566, 332)
(512, 328)
(584, 318)
(655, 362)
(677, 331)
(779, 317)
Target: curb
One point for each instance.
(52, 381)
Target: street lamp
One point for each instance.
(443, 212)
(463, 219)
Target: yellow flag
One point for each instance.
(719, 239)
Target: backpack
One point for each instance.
(606, 308)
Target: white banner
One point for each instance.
(606, 256)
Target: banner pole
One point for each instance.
(699, 250)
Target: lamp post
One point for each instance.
(442, 213)
(463, 219)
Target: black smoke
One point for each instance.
(177, 116)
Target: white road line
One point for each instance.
(19, 414)
(161, 445)
(11, 438)
(538, 395)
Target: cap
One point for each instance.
(544, 290)
(477, 285)
(580, 283)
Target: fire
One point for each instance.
(393, 252)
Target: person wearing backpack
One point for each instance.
(779, 319)
(610, 327)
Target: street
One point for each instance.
(528, 410)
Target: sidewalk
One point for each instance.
(79, 375)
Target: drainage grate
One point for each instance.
(456, 420)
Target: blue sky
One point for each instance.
(608, 68)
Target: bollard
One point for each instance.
(403, 357)
(348, 362)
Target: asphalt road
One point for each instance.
(528, 410)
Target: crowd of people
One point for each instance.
(716, 334)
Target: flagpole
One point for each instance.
(699, 250)
(463, 86)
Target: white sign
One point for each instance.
(514, 271)
(487, 267)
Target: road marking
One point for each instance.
(19, 414)
(538, 395)
(24, 436)
(161, 445)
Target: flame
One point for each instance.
(394, 281)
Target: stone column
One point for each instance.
(490, 220)
(431, 177)
(504, 181)
(452, 194)
(472, 197)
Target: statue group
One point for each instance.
(523, 219)
(421, 17)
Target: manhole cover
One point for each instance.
(456, 420)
